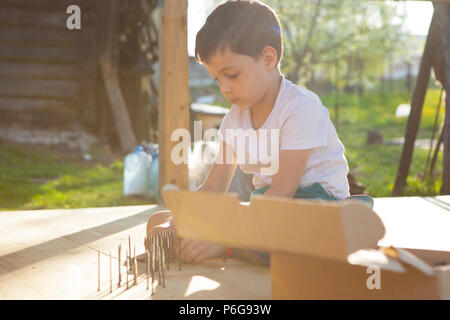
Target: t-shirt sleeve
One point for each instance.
(306, 127)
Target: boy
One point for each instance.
(240, 45)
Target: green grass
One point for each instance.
(376, 166)
(31, 179)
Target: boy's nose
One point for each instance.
(226, 90)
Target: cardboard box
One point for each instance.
(319, 249)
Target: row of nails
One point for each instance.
(160, 250)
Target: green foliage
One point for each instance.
(352, 37)
(37, 180)
(376, 166)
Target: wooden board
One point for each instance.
(39, 70)
(52, 254)
(62, 89)
(38, 53)
(35, 105)
(46, 5)
(29, 35)
(41, 19)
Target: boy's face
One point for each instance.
(243, 80)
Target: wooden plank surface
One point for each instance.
(52, 254)
(415, 222)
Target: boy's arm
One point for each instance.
(292, 163)
(221, 173)
(218, 180)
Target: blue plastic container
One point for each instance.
(135, 174)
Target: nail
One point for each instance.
(158, 255)
(120, 273)
(151, 259)
(179, 254)
(148, 260)
(126, 261)
(110, 273)
(129, 247)
(166, 249)
(172, 245)
(135, 265)
(162, 264)
(98, 263)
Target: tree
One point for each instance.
(352, 36)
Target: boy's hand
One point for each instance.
(195, 251)
(192, 251)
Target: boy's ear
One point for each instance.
(270, 57)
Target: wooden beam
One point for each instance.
(443, 19)
(416, 107)
(109, 62)
(117, 103)
(173, 89)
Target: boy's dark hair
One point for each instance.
(245, 26)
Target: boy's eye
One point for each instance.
(229, 76)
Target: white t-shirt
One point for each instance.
(298, 121)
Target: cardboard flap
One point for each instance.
(370, 257)
(410, 259)
(202, 215)
(278, 224)
(443, 276)
(361, 226)
(390, 258)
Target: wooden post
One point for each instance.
(173, 89)
(443, 18)
(416, 108)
